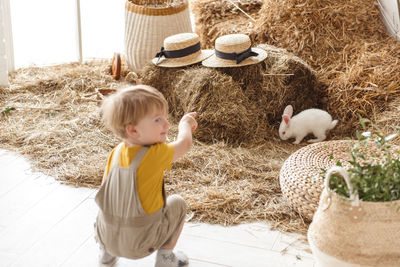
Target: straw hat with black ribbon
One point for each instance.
(234, 50)
(180, 50)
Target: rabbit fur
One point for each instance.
(315, 121)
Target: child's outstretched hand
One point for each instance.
(184, 141)
(189, 118)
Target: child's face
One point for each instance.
(153, 128)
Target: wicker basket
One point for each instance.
(349, 232)
(300, 176)
(146, 27)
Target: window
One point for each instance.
(46, 31)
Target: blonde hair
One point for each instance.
(128, 106)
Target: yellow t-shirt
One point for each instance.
(150, 173)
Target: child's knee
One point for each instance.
(176, 202)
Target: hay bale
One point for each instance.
(240, 105)
(216, 18)
(237, 24)
(220, 102)
(389, 120)
(366, 85)
(165, 80)
(319, 31)
(289, 80)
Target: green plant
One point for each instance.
(374, 175)
(7, 110)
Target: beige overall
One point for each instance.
(122, 227)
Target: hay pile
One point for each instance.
(367, 85)
(320, 32)
(239, 105)
(217, 18)
(345, 42)
(56, 121)
(165, 80)
(229, 185)
(56, 126)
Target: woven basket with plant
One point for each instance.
(357, 222)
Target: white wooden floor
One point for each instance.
(45, 223)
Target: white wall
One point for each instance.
(391, 16)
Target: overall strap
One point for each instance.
(138, 157)
(116, 155)
(99, 198)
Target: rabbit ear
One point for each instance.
(288, 111)
(286, 118)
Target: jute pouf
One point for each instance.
(301, 178)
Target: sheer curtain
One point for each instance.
(3, 55)
(390, 10)
(6, 58)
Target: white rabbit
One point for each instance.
(315, 121)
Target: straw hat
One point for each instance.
(234, 50)
(180, 50)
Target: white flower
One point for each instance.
(390, 137)
(366, 134)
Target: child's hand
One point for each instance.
(189, 119)
(184, 141)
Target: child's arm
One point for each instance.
(184, 141)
